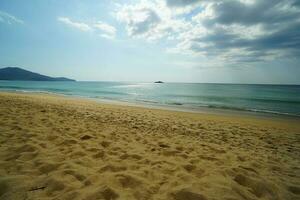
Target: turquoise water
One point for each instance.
(277, 99)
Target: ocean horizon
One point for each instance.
(256, 98)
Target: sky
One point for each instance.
(230, 41)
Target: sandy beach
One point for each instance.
(54, 147)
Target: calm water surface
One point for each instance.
(277, 99)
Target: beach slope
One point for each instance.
(55, 147)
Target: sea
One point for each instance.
(271, 99)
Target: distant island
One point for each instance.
(158, 82)
(18, 74)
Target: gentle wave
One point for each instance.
(152, 101)
(230, 99)
(147, 101)
(252, 110)
(140, 85)
(283, 100)
(235, 109)
(175, 103)
(110, 92)
(29, 89)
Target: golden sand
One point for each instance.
(61, 148)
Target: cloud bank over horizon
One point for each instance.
(232, 41)
(234, 31)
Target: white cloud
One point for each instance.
(107, 36)
(101, 28)
(232, 32)
(151, 20)
(109, 31)
(78, 25)
(9, 19)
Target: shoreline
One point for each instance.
(179, 108)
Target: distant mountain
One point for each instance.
(18, 74)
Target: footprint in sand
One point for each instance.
(86, 137)
(189, 167)
(26, 148)
(187, 194)
(112, 168)
(52, 137)
(259, 188)
(104, 192)
(75, 174)
(99, 154)
(128, 181)
(77, 154)
(54, 185)
(69, 142)
(130, 156)
(71, 195)
(105, 143)
(46, 168)
(294, 189)
(26, 156)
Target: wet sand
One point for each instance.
(54, 147)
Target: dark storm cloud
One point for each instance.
(288, 37)
(141, 27)
(286, 41)
(238, 30)
(265, 12)
(180, 3)
(278, 19)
